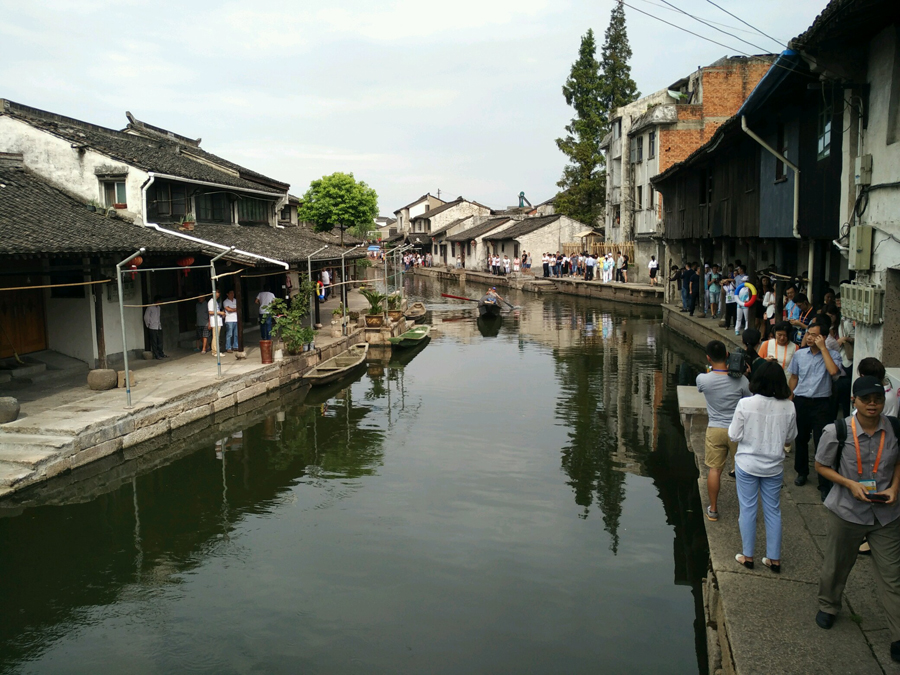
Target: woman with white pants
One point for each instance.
(762, 425)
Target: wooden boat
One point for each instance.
(415, 312)
(411, 337)
(489, 306)
(339, 366)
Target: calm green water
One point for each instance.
(508, 500)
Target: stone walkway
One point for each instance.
(64, 424)
(766, 622)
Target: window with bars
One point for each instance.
(823, 148)
(213, 208)
(168, 201)
(253, 211)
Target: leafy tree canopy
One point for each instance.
(338, 199)
(617, 87)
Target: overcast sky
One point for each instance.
(411, 96)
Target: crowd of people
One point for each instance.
(761, 402)
(588, 266)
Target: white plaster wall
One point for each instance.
(54, 159)
(883, 211)
(478, 259)
(70, 326)
(134, 323)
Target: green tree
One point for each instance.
(617, 88)
(338, 199)
(594, 89)
(583, 179)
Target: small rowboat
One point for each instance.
(415, 312)
(339, 366)
(489, 306)
(412, 337)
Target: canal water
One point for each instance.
(513, 498)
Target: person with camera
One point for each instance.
(723, 386)
(811, 370)
(859, 454)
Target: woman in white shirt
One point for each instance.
(761, 426)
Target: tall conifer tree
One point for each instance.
(594, 89)
(583, 178)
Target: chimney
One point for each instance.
(11, 160)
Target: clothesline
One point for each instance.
(80, 283)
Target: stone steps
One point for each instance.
(31, 450)
(11, 473)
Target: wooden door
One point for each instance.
(22, 324)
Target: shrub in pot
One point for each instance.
(375, 317)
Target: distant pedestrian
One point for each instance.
(231, 323)
(216, 314)
(653, 267)
(620, 268)
(326, 283)
(264, 299)
(153, 322)
(202, 325)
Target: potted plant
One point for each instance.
(375, 317)
(187, 222)
(393, 303)
(308, 336)
(288, 323)
(119, 205)
(93, 206)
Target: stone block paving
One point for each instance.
(769, 618)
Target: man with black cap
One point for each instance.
(862, 504)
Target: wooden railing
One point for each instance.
(601, 249)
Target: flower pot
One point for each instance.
(120, 206)
(189, 226)
(395, 314)
(374, 320)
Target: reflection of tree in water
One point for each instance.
(589, 458)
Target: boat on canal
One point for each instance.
(339, 366)
(415, 312)
(489, 305)
(412, 337)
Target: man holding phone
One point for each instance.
(862, 504)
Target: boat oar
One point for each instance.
(458, 297)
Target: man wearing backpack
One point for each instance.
(862, 504)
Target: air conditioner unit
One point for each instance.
(863, 303)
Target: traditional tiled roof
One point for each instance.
(448, 206)
(445, 228)
(525, 226)
(38, 219)
(842, 20)
(157, 153)
(289, 244)
(422, 198)
(478, 230)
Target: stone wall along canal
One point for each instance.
(513, 498)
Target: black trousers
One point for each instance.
(730, 314)
(156, 343)
(695, 300)
(546, 269)
(812, 416)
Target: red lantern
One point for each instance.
(135, 263)
(185, 262)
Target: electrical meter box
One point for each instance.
(863, 303)
(859, 257)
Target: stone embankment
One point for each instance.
(634, 294)
(59, 434)
(760, 622)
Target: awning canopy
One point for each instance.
(588, 233)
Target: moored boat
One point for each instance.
(411, 337)
(339, 366)
(415, 312)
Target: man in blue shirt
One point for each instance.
(804, 313)
(811, 371)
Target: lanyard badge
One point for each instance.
(869, 485)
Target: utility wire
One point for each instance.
(747, 24)
(718, 23)
(706, 23)
(733, 49)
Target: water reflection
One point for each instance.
(383, 523)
